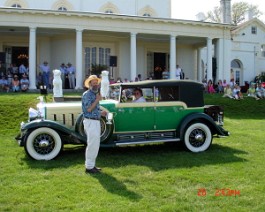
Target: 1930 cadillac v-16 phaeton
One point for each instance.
(174, 111)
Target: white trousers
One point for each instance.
(92, 129)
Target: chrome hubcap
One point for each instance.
(199, 137)
(44, 143)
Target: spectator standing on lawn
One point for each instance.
(45, 72)
(91, 115)
(22, 70)
(71, 75)
(178, 72)
(63, 73)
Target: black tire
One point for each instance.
(106, 129)
(197, 137)
(43, 144)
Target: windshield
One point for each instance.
(127, 93)
(114, 92)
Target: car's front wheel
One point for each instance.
(43, 144)
(197, 137)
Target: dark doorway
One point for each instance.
(159, 64)
(20, 55)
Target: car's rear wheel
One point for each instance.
(43, 144)
(197, 137)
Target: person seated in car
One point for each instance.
(138, 94)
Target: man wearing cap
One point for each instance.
(92, 114)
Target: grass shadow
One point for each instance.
(156, 157)
(114, 186)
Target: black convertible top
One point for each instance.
(190, 92)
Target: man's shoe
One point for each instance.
(92, 171)
(99, 169)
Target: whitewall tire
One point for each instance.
(43, 144)
(198, 137)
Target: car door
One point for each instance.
(168, 108)
(136, 117)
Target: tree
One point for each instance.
(215, 15)
(239, 10)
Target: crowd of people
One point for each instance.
(14, 79)
(68, 72)
(233, 91)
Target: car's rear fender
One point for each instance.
(202, 118)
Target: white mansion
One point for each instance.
(130, 36)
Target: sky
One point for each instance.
(188, 9)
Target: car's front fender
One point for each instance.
(60, 128)
(201, 117)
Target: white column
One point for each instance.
(209, 60)
(79, 57)
(173, 64)
(227, 59)
(220, 59)
(199, 65)
(32, 58)
(133, 56)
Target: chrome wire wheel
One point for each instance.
(198, 137)
(43, 144)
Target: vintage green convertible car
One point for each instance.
(174, 111)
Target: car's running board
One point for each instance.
(145, 142)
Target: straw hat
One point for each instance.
(91, 77)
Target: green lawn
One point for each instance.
(143, 178)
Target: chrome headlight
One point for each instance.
(33, 114)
